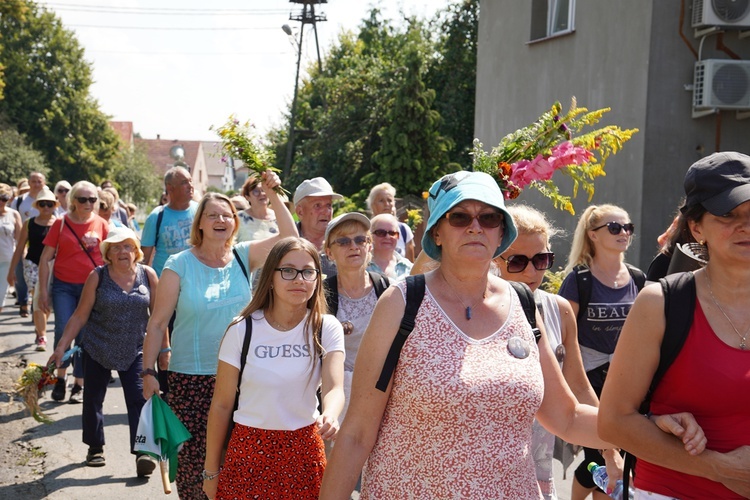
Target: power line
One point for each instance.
(135, 52)
(161, 10)
(169, 28)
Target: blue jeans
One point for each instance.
(65, 297)
(95, 380)
(22, 291)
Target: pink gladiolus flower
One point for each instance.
(565, 154)
(524, 171)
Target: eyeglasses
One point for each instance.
(517, 263)
(256, 191)
(219, 216)
(62, 190)
(382, 233)
(616, 227)
(82, 200)
(345, 241)
(488, 220)
(290, 273)
(122, 248)
(44, 204)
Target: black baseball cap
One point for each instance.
(720, 182)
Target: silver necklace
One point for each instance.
(467, 310)
(743, 338)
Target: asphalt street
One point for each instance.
(48, 460)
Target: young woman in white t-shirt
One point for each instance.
(294, 349)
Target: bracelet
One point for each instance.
(149, 371)
(166, 349)
(208, 476)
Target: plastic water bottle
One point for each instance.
(599, 473)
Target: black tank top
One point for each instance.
(36, 237)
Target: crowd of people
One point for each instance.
(271, 337)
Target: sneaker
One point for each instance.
(41, 343)
(76, 395)
(144, 465)
(95, 457)
(58, 393)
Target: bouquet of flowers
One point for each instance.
(530, 156)
(33, 381)
(239, 140)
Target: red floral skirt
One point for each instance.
(264, 463)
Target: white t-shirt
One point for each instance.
(280, 379)
(25, 208)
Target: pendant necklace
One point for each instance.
(743, 338)
(467, 308)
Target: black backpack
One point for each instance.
(583, 280)
(415, 289)
(331, 286)
(679, 305)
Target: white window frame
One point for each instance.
(544, 17)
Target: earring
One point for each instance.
(702, 243)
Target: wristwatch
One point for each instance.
(148, 371)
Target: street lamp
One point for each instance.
(290, 141)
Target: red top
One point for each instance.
(711, 380)
(72, 262)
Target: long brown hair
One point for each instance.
(263, 295)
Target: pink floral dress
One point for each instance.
(458, 422)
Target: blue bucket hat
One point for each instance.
(454, 188)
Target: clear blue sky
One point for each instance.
(201, 61)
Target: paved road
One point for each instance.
(48, 460)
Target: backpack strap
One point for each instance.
(331, 287)
(402, 228)
(679, 306)
(415, 289)
(638, 276)
(158, 226)
(243, 357)
(239, 261)
(380, 282)
(528, 303)
(583, 281)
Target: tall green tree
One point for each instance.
(17, 9)
(453, 75)
(17, 158)
(136, 177)
(47, 95)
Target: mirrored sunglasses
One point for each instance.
(616, 227)
(345, 241)
(382, 233)
(488, 220)
(541, 262)
(290, 273)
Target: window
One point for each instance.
(551, 18)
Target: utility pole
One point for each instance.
(307, 16)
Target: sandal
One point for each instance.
(24, 312)
(95, 458)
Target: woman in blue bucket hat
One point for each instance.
(455, 419)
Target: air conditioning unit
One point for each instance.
(721, 84)
(727, 14)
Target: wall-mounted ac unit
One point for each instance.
(728, 14)
(721, 84)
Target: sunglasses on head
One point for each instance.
(45, 204)
(517, 263)
(616, 227)
(382, 233)
(83, 199)
(345, 241)
(488, 220)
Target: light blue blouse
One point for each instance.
(209, 299)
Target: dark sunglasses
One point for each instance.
(541, 262)
(82, 200)
(4, 198)
(45, 204)
(488, 220)
(345, 241)
(62, 190)
(103, 206)
(382, 233)
(616, 227)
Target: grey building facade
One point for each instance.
(636, 57)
